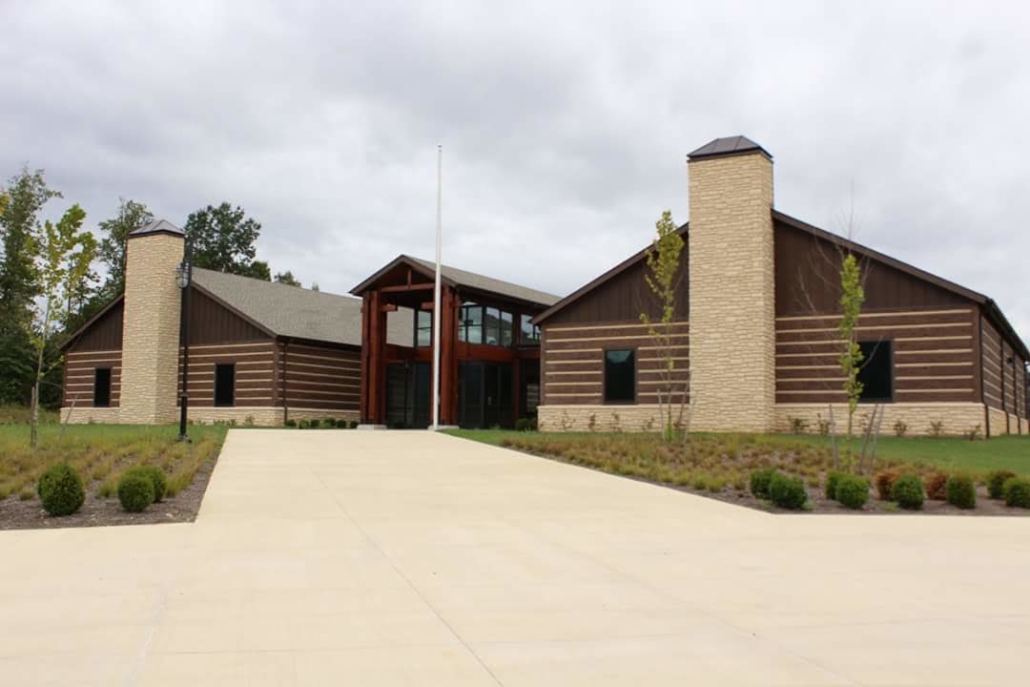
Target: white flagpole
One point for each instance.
(436, 290)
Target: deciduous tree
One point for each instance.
(222, 238)
(131, 216)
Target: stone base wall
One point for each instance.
(81, 415)
(957, 418)
(1006, 423)
(311, 413)
(259, 416)
(600, 418)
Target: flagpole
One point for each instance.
(436, 290)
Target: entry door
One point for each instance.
(491, 396)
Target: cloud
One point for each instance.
(565, 126)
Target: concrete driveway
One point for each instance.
(383, 558)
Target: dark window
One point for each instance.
(529, 335)
(225, 384)
(102, 387)
(423, 328)
(470, 328)
(877, 371)
(619, 377)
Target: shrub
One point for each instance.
(525, 424)
(135, 491)
(822, 425)
(787, 492)
(831, 484)
(1017, 492)
(974, 434)
(960, 491)
(884, 481)
(314, 423)
(996, 482)
(291, 422)
(353, 424)
(936, 486)
(900, 428)
(852, 491)
(798, 425)
(936, 428)
(157, 478)
(60, 490)
(304, 424)
(907, 492)
(760, 482)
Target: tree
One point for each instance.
(851, 299)
(222, 238)
(287, 278)
(663, 263)
(131, 216)
(64, 255)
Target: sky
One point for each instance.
(565, 126)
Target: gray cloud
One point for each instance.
(565, 125)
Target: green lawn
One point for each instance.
(100, 453)
(922, 453)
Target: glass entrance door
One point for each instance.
(485, 395)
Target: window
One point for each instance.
(225, 384)
(102, 387)
(529, 334)
(877, 371)
(507, 330)
(423, 328)
(619, 377)
(470, 329)
(492, 326)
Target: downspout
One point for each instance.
(286, 367)
(983, 389)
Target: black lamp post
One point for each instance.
(184, 277)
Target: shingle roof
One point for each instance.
(731, 145)
(296, 312)
(158, 226)
(482, 283)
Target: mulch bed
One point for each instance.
(99, 512)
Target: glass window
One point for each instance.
(102, 387)
(423, 328)
(507, 331)
(620, 379)
(470, 329)
(225, 384)
(876, 372)
(492, 327)
(529, 335)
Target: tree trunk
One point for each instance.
(34, 416)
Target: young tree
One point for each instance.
(287, 278)
(131, 216)
(222, 238)
(851, 300)
(663, 262)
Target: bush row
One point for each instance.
(325, 422)
(783, 491)
(61, 490)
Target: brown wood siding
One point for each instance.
(573, 361)
(212, 323)
(103, 335)
(80, 372)
(934, 354)
(319, 377)
(253, 380)
(808, 280)
(992, 368)
(623, 298)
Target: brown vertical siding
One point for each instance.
(321, 377)
(79, 373)
(934, 355)
(573, 361)
(213, 323)
(105, 334)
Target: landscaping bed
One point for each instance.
(101, 455)
(720, 466)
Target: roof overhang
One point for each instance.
(399, 261)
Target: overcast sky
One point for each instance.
(565, 126)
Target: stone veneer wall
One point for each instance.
(150, 339)
(958, 418)
(81, 415)
(605, 418)
(732, 294)
(261, 416)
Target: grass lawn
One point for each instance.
(721, 464)
(100, 454)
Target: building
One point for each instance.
(259, 352)
(756, 343)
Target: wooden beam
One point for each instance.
(406, 287)
(427, 305)
(388, 307)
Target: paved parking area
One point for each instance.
(382, 558)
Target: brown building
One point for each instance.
(756, 343)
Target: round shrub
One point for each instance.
(996, 482)
(353, 424)
(314, 423)
(291, 423)
(884, 481)
(1017, 492)
(936, 486)
(831, 485)
(60, 490)
(787, 492)
(852, 491)
(760, 482)
(135, 491)
(304, 424)
(907, 492)
(157, 479)
(960, 491)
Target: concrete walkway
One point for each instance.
(382, 558)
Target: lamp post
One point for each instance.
(184, 277)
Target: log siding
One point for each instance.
(80, 373)
(322, 378)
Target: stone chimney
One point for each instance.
(732, 287)
(150, 339)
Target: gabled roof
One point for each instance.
(607, 276)
(292, 311)
(731, 145)
(453, 276)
